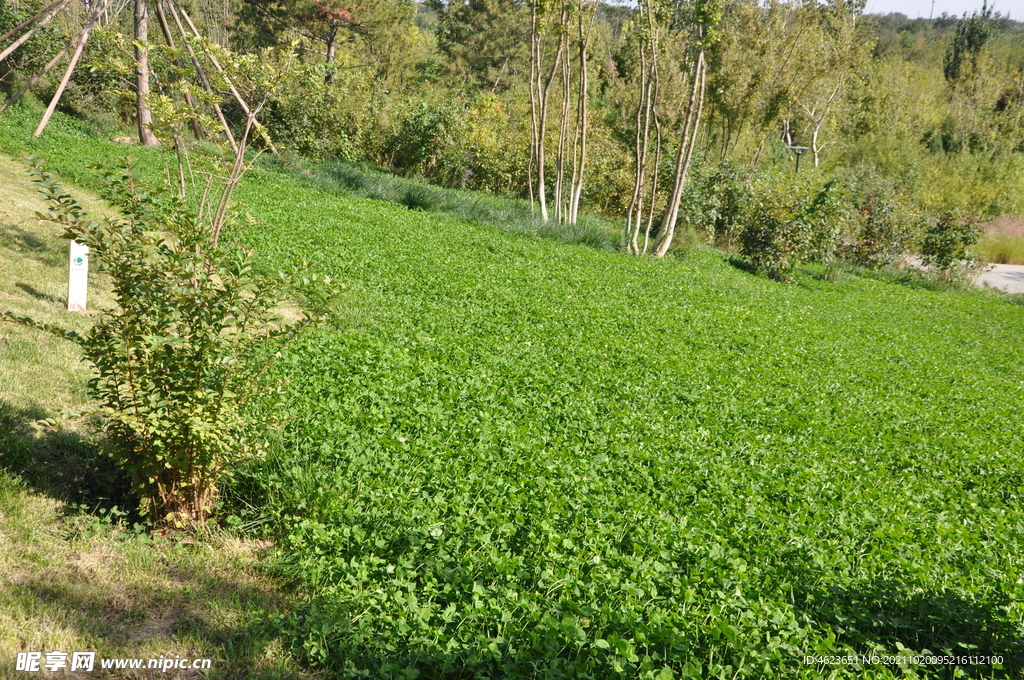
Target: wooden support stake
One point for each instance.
(220, 69)
(197, 129)
(28, 22)
(71, 67)
(202, 76)
(35, 29)
(41, 72)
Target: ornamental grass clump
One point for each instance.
(180, 361)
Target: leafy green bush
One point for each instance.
(791, 218)
(947, 243)
(180, 361)
(429, 141)
(315, 119)
(880, 228)
(715, 202)
(103, 86)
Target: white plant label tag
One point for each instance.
(78, 277)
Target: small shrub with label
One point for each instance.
(179, 362)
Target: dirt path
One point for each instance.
(1005, 277)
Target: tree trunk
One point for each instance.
(332, 46)
(143, 114)
(563, 128)
(580, 163)
(685, 155)
(646, 114)
(534, 129)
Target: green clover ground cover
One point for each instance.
(531, 460)
(525, 459)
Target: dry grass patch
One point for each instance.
(1003, 242)
(80, 583)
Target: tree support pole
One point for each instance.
(42, 72)
(220, 70)
(143, 114)
(71, 67)
(202, 76)
(28, 22)
(35, 29)
(197, 129)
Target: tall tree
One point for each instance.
(648, 32)
(706, 15)
(485, 41)
(542, 77)
(325, 23)
(142, 113)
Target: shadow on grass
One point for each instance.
(187, 611)
(884, 615)
(96, 573)
(741, 263)
(23, 240)
(39, 295)
(59, 463)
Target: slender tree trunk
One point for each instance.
(645, 114)
(656, 169)
(563, 129)
(815, 149)
(331, 48)
(142, 112)
(579, 165)
(654, 184)
(639, 156)
(542, 131)
(684, 156)
(534, 128)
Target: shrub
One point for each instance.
(791, 218)
(180, 361)
(946, 245)
(715, 200)
(316, 119)
(880, 227)
(430, 141)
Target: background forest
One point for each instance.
(666, 113)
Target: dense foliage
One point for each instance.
(440, 90)
(507, 467)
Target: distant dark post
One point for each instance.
(799, 151)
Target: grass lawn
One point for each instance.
(520, 458)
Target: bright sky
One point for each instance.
(922, 8)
